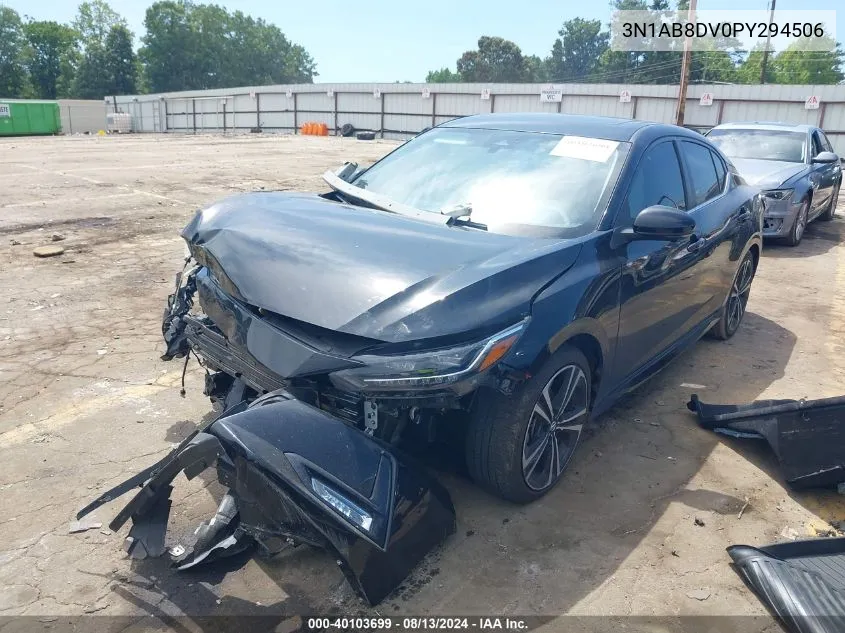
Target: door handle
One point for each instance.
(692, 247)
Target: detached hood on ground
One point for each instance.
(369, 272)
(766, 174)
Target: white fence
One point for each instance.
(402, 110)
(80, 116)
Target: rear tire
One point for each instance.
(518, 447)
(740, 290)
(799, 226)
(827, 216)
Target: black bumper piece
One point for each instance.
(802, 582)
(808, 436)
(297, 475)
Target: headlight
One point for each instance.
(351, 512)
(778, 194)
(431, 368)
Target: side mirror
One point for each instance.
(825, 157)
(662, 223)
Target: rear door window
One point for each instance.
(702, 171)
(721, 170)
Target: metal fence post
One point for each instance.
(433, 109)
(257, 110)
(194, 111)
(381, 126)
(334, 113)
(295, 117)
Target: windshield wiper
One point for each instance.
(459, 215)
(377, 200)
(463, 210)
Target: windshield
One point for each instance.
(514, 182)
(760, 144)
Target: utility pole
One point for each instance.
(685, 64)
(766, 50)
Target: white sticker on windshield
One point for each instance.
(595, 149)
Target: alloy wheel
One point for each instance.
(740, 291)
(801, 222)
(554, 427)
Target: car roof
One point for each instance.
(604, 127)
(766, 125)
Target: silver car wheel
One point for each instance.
(554, 427)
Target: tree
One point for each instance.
(495, 60)
(92, 81)
(12, 70)
(442, 76)
(575, 55)
(795, 66)
(195, 46)
(94, 21)
(120, 69)
(50, 54)
(749, 69)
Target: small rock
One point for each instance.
(101, 352)
(698, 594)
(654, 423)
(659, 403)
(57, 237)
(93, 608)
(106, 532)
(83, 524)
(675, 553)
(789, 533)
(671, 459)
(698, 522)
(14, 243)
(47, 251)
(470, 532)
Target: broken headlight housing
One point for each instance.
(428, 369)
(778, 194)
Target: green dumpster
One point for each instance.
(24, 118)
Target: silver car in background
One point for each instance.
(793, 165)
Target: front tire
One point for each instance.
(734, 310)
(800, 225)
(518, 447)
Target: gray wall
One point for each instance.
(399, 110)
(80, 115)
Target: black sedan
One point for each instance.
(526, 270)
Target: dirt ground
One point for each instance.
(85, 402)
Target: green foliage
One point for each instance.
(12, 41)
(195, 46)
(442, 76)
(50, 58)
(809, 67)
(576, 53)
(495, 60)
(94, 21)
(120, 64)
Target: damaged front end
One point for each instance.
(295, 475)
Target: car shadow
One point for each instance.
(635, 461)
(819, 238)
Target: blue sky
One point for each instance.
(381, 40)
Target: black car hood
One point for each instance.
(369, 272)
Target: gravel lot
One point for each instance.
(86, 402)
